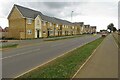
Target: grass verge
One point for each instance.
(116, 37)
(64, 66)
(62, 38)
(9, 46)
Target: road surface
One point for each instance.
(104, 62)
(19, 60)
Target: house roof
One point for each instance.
(93, 27)
(87, 26)
(78, 23)
(6, 29)
(1, 29)
(29, 13)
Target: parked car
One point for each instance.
(104, 34)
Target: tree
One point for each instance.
(119, 30)
(111, 27)
(114, 29)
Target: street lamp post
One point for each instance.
(71, 15)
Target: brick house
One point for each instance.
(27, 23)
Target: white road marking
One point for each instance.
(19, 54)
(50, 60)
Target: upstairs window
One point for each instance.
(57, 25)
(44, 23)
(50, 24)
(73, 27)
(29, 21)
(38, 22)
(63, 26)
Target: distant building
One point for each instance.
(80, 27)
(3, 32)
(87, 28)
(93, 29)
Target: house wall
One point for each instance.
(44, 29)
(30, 28)
(16, 24)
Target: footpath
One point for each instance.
(103, 63)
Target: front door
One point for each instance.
(48, 33)
(38, 33)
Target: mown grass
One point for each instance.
(64, 66)
(9, 46)
(62, 38)
(116, 37)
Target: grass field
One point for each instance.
(64, 66)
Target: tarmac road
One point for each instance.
(19, 60)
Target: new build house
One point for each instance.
(27, 23)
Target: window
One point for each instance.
(73, 27)
(63, 26)
(44, 23)
(29, 31)
(82, 29)
(57, 25)
(38, 22)
(56, 32)
(29, 21)
(44, 32)
(50, 24)
(51, 31)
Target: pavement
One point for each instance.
(103, 63)
(19, 60)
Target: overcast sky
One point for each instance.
(94, 12)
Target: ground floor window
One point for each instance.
(44, 32)
(29, 31)
(51, 31)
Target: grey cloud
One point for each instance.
(55, 9)
(56, 4)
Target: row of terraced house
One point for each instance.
(27, 23)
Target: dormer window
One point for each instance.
(29, 21)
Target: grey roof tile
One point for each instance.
(29, 13)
